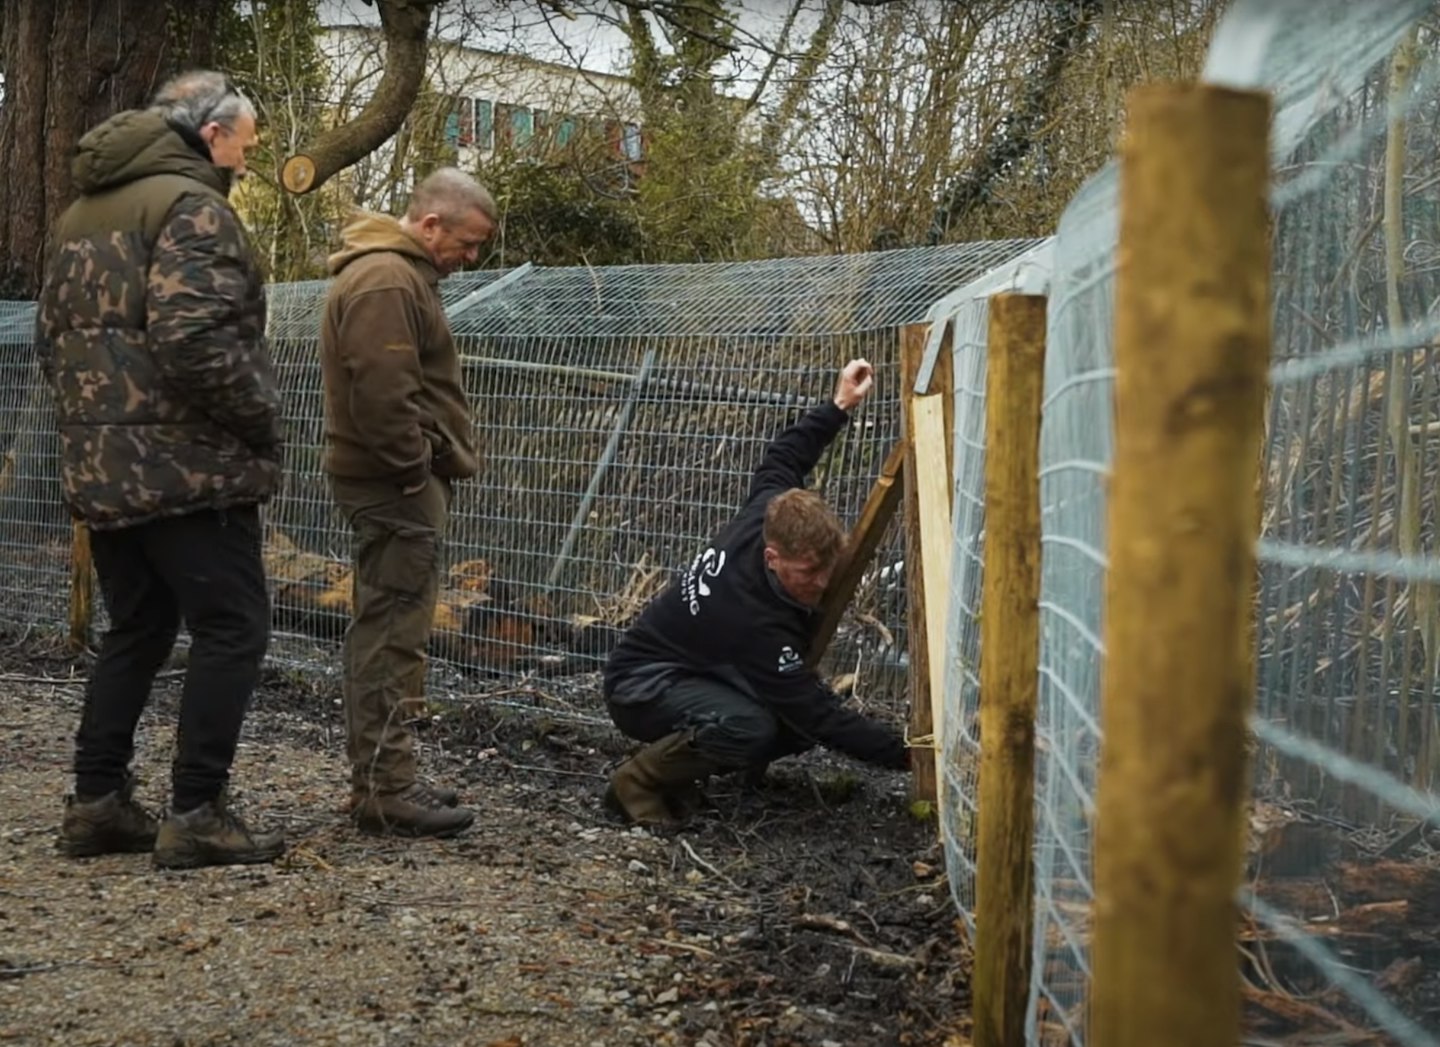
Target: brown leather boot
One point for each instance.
(416, 810)
(441, 794)
(658, 785)
(109, 824)
(212, 834)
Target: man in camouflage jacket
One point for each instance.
(150, 332)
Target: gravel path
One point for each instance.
(813, 915)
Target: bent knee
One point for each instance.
(738, 738)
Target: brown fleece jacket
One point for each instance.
(395, 408)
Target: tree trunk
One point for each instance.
(68, 65)
(406, 25)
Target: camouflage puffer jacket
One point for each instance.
(151, 333)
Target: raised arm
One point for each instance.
(792, 454)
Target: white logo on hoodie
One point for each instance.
(708, 564)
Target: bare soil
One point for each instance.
(810, 912)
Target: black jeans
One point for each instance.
(729, 726)
(205, 568)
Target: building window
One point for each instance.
(514, 125)
(630, 143)
(467, 122)
(522, 125)
(565, 131)
(484, 125)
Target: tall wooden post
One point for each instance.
(1192, 341)
(1009, 668)
(929, 439)
(82, 587)
(860, 548)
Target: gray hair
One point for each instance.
(194, 99)
(450, 192)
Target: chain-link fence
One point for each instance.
(1339, 936)
(619, 411)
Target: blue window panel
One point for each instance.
(631, 145)
(484, 124)
(522, 125)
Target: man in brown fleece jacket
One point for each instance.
(398, 432)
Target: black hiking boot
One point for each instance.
(212, 834)
(109, 824)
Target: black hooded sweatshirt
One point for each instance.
(726, 616)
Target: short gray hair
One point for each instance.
(450, 192)
(193, 99)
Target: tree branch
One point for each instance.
(406, 26)
(1018, 131)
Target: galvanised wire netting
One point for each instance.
(35, 532)
(966, 316)
(1339, 931)
(620, 412)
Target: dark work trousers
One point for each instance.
(397, 545)
(729, 726)
(204, 568)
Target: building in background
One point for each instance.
(479, 105)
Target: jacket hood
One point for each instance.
(369, 233)
(136, 144)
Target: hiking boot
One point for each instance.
(109, 824)
(439, 795)
(417, 810)
(212, 834)
(446, 796)
(659, 784)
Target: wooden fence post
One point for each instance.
(864, 539)
(82, 587)
(1009, 668)
(929, 428)
(1192, 343)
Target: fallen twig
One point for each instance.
(706, 865)
(14, 973)
(553, 770)
(821, 922)
(74, 681)
(891, 960)
(685, 946)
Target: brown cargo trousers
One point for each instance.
(397, 542)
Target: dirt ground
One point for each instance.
(813, 912)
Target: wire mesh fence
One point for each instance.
(966, 313)
(1339, 935)
(619, 412)
(35, 533)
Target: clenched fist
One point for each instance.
(856, 381)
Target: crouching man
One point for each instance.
(712, 673)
